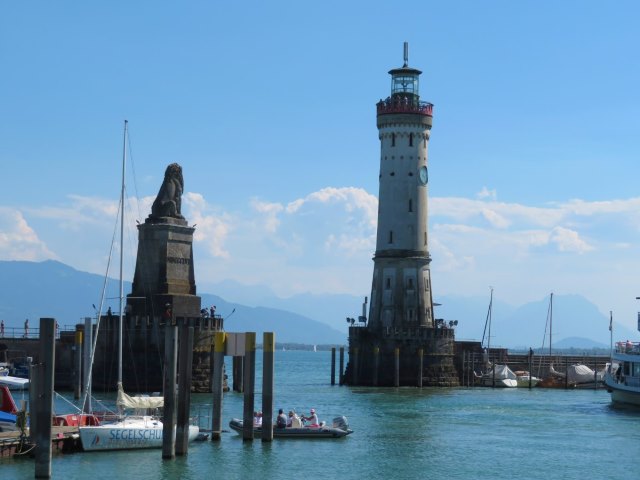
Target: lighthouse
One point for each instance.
(402, 343)
(401, 287)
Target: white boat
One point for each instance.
(130, 432)
(622, 377)
(504, 377)
(14, 383)
(524, 379)
(338, 429)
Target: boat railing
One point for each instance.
(629, 348)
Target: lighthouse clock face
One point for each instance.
(423, 175)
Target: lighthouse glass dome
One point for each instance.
(404, 83)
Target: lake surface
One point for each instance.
(404, 433)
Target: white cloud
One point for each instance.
(485, 193)
(569, 241)
(18, 241)
(211, 230)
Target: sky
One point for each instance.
(270, 109)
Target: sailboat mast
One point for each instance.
(490, 308)
(120, 321)
(550, 323)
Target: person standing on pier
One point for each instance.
(2, 328)
(26, 328)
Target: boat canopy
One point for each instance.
(581, 374)
(127, 401)
(502, 372)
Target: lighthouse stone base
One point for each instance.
(425, 357)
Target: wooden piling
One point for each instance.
(238, 374)
(268, 348)
(341, 370)
(376, 365)
(420, 366)
(77, 365)
(566, 372)
(185, 364)
(217, 385)
(530, 369)
(249, 385)
(396, 375)
(170, 366)
(44, 405)
(333, 365)
(355, 366)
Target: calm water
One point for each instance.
(401, 433)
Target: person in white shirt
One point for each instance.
(312, 418)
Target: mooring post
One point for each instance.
(530, 368)
(249, 385)
(355, 366)
(77, 364)
(341, 369)
(170, 366)
(44, 405)
(566, 372)
(333, 365)
(493, 379)
(420, 366)
(216, 387)
(268, 348)
(396, 376)
(376, 365)
(86, 367)
(34, 395)
(238, 374)
(473, 369)
(185, 364)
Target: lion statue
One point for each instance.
(168, 203)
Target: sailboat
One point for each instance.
(554, 379)
(130, 431)
(497, 375)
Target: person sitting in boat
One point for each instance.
(312, 418)
(257, 419)
(281, 421)
(294, 420)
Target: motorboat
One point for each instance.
(339, 428)
(622, 376)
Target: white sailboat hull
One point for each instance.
(129, 434)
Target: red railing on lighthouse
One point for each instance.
(404, 105)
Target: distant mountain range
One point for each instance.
(52, 289)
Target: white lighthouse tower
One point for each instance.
(401, 344)
(401, 288)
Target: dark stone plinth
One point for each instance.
(164, 266)
(437, 344)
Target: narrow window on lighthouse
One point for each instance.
(410, 205)
(411, 139)
(388, 285)
(390, 236)
(425, 238)
(393, 139)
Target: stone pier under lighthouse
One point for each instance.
(402, 343)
